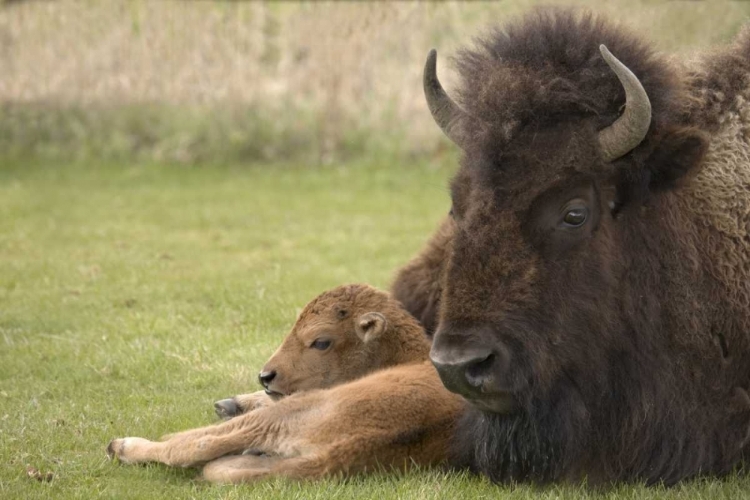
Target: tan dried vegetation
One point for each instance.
(194, 81)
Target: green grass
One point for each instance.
(132, 297)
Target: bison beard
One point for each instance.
(622, 344)
(563, 438)
(505, 448)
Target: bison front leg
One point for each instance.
(237, 405)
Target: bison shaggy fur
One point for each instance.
(619, 348)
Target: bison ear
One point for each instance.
(675, 157)
(370, 326)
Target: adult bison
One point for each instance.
(591, 289)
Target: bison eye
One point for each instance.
(575, 217)
(321, 345)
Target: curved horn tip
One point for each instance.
(446, 113)
(430, 65)
(611, 60)
(631, 128)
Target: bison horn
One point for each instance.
(630, 129)
(446, 113)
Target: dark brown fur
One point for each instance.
(624, 344)
(418, 285)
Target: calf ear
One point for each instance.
(675, 157)
(370, 326)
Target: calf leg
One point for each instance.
(274, 429)
(239, 468)
(338, 458)
(244, 468)
(185, 449)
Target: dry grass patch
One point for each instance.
(259, 81)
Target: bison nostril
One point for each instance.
(265, 378)
(466, 373)
(478, 371)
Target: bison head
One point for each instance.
(551, 184)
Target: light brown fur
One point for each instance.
(393, 418)
(337, 316)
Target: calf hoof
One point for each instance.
(227, 408)
(126, 449)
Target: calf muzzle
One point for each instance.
(265, 377)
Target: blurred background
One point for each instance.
(309, 82)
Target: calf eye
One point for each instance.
(575, 217)
(321, 345)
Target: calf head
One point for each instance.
(341, 335)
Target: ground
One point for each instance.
(132, 297)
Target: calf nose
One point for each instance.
(266, 377)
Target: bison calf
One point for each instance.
(340, 336)
(392, 418)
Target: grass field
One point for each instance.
(132, 297)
